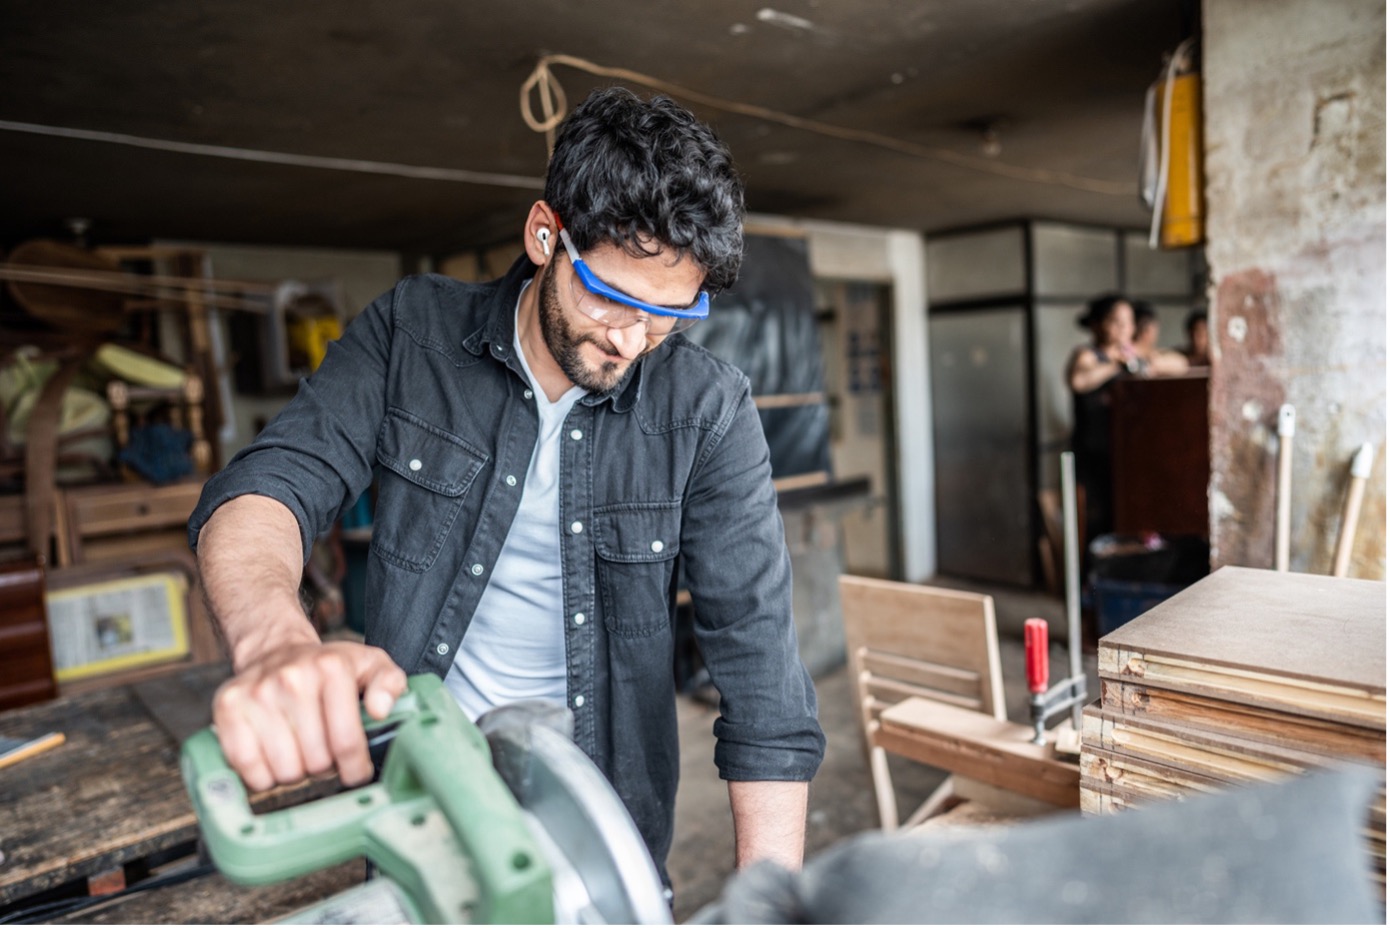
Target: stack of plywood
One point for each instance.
(1248, 675)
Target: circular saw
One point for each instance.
(503, 821)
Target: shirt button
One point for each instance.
(415, 464)
(657, 546)
(441, 648)
(578, 701)
(527, 393)
(579, 618)
(576, 527)
(576, 434)
(477, 570)
(511, 481)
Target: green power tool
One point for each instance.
(505, 821)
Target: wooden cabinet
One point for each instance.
(107, 520)
(1161, 452)
(26, 668)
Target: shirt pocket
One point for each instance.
(636, 546)
(425, 473)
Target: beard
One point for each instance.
(564, 344)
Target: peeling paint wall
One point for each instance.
(1294, 99)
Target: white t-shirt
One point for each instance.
(515, 646)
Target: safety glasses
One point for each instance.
(612, 307)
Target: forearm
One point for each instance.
(769, 821)
(1168, 363)
(250, 562)
(1088, 378)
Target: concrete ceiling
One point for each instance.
(436, 83)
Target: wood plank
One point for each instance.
(784, 400)
(979, 746)
(923, 674)
(813, 478)
(1095, 801)
(1296, 697)
(1107, 797)
(1281, 625)
(1218, 715)
(1143, 774)
(884, 693)
(1224, 757)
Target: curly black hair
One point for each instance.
(648, 175)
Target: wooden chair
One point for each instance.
(906, 640)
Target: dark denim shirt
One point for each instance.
(670, 467)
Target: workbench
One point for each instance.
(108, 807)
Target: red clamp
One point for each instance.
(1035, 654)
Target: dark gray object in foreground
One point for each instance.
(1289, 853)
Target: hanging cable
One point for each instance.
(541, 76)
(553, 103)
(415, 172)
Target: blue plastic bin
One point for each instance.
(1130, 574)
(1118, 601)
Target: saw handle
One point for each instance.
(439, 764)
(1035, 654)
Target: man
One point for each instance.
(548, 449)
(1160, 361)
(1198, 348)
(1145, 329)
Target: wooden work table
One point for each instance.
(110, 803)
(975, 745)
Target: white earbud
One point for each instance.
(544, 237)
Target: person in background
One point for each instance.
(1161, 362)
(1090, 372)
(1198, 348)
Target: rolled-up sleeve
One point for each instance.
(316, 456)
(739, 575)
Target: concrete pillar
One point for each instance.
(1294, 99)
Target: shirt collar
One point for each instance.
(499, 328)
(497, 334)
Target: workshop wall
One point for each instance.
(1295, 190)
(894, 259)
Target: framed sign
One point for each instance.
(111, 625)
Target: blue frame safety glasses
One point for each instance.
(612, 307)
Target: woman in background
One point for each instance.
(1090, 372)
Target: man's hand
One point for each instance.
(292, 711)
(292, 708)
(769, 822)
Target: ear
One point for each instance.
(541, 218)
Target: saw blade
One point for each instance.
(603, 873)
